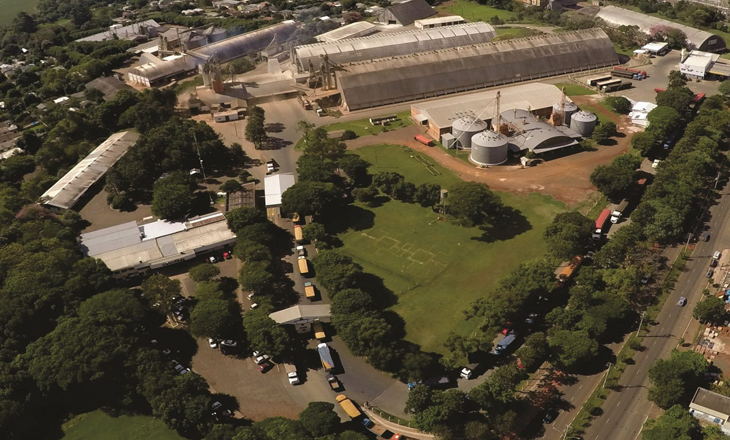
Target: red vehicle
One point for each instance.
(600, 223)
(227, 255)
(264, 367)
(423, 139)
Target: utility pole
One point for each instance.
(607, 372)
(640, 323)
(202, 168)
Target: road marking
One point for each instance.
(670, 315)
(580, 387)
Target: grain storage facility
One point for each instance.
(583, 123)
(465, 128)
(698, 39)
(392, 44)
(489, 148)
(423, 75)
(526, 132)
(567, 107)
(352, 30)
(406, 13)
(241, 45)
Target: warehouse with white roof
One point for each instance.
(69, 189)
(352, 30)
(275, 186)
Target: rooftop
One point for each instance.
(109, 86)
(410, 11)
(69, 189)
(124, 32)
(275, 186)
(301, 313)
(711, 400)
(439, 20)
(358, 28)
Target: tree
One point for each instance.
(316, 233)
(255, 276)
(118, 304)
(307, 197)
(603, 132)
(305, 127)
(231, 186)
(215, 318)
(619, 104)
(255, 131)
(385, 181)
(404, 191)
(348, 135)
(678, 98)
(173, 196)
(335, 271)
(313, 168)
(209, 290)
(663, 121)
(448, 408)
(355, 167)
(676, 423)
(710, 309)
(675, 378)
(204, 272)
(14, 168)
(428, 194)
(367, 195)
(534, 351)
(318, 143)
(349, 301)
(472, 204)
(264, 334)
(568, 234)
(319, 418)
(724, 89)
(644, 142)
(615, 179)
(498, 391)
(676, 79)
(161, 290)
(572, 348)
(184, 406)
(239, 218)
(419, 398)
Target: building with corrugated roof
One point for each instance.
(440, 72)
(711, 407)
(143, 30)
(72, 186)
(406, 13)
(392, 44)
(275, 186)
(698, 39)
(243, 44)
(132, 248)
(527, 133)
(430, 23)
(158, 71)
(352, 30)
(109, 86)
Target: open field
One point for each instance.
(363, 127)
(98, 425)
(11, 8)
(572, 89)
(474, 11)
(508, 33)
(435, 268)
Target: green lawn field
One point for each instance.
(509, 33)
(363, 127)
(572, 89)
(474, 11)
(98, 425)
(11, 8)
(436, 268)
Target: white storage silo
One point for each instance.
(465, 128)
(489, 148)
(583, 123)
(570, 109)
(215, 34)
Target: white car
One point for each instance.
(250, 295)
(301, 251)
(254, 305)
(212, 259)
(213, 343)
(293, 378)
(261, 359)
(717, 255)
(656, 163)
(184, 371)
(229, 343)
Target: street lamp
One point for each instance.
(640, 323)
(609, 365)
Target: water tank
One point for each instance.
(216, 34)
(465, 128)
(196, 41)
(570, 108)
(583, 123)
(488, 148)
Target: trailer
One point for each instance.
(569, 270)
(423, 139)
(303, 266)
(326, 357)
(596, 79)
(608, 82)
(349, 407)
(309, 291)
(298, 235)
(333, 381)
(623, 85)
(600, 223)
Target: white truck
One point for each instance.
(291, 374)
(619, 211)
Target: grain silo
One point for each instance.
(583, 123)
(488, 148)
(215, 33)
(465, 128)
(195, 41)
(569, 109)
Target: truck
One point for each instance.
(349, 407)
(298, 236)
(291, 374)
(468, 371)
(333, 381)
(303, 266)
(435, 382)
(619, 211)
(616, 87)
(625, 72)
(601, 223)
(309, 291)
(423, 139)
(569, 270)
(379, 431)
(504, 343)
(318, 331)
(326, 357)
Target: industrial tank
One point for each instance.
(570, 108)
(216, 34)
(488, 148)
(195, 41)
(583, 123)
(465, 128)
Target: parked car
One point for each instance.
(713, 263)
(229, 343)
(254, 305)
(682, 301)
(550, 415)
(212, 343)
(250, 295)
(227, 255)
(645, 279)
(710, 272)
(264, 367)
(705, 236)
(260, 358)
(184, 371)
(656, 163)
(717, 255)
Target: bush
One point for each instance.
(348, 134)
(619, 104)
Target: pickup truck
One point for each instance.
(379, 431)
(333, 381)
(309, 291)
(468, 371)
(291, 374)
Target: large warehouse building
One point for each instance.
(406, 13)
(392, 44)
(439, 72)
(698, 39)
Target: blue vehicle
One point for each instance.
(433, 382)
(504, 343)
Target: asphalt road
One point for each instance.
(626, 410)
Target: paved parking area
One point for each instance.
(100, 215)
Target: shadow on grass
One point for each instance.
(374, 286)
(349, 217)
(510, 224)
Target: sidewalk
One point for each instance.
(396, 428)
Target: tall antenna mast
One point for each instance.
(561, 111)
(499, 115)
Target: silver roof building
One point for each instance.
(393, 44)
(69, 189)
(699, 39)
(240, 45)
(423, 75)
(352, 30)
(529, 133)
(406, 13)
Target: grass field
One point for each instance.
(575, 90)
(508, 33)
(11, 8)
(436, 268)
(363, 127)
(474, 11)
(98, 425)
(593, 109)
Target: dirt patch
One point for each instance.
(566, 178)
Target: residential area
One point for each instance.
(237, 220)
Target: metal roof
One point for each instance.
(109, 86)
(240, 45)
(440, 72)
(301, 313)
(124, 32)
(624, 17)
(67, 191)
(534, 135)
(394, 44)
(357, 29)
(443, 112)
(711, 400)
(439, 20)
(162, 69)
(275, 186)
(408, 12)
